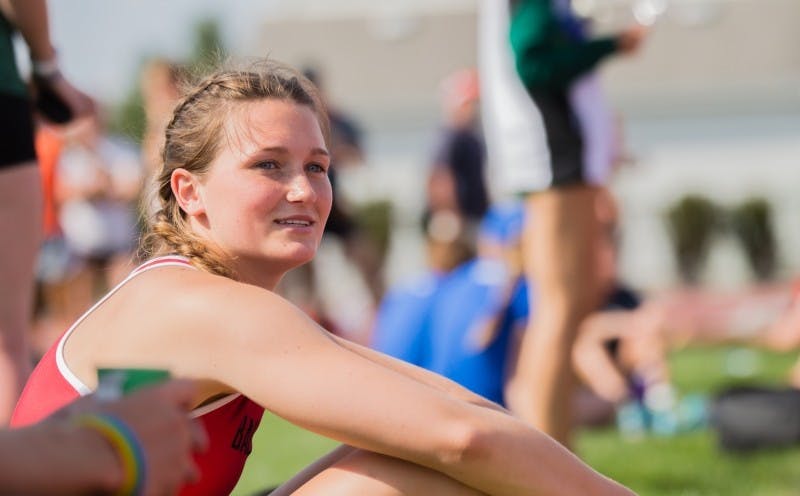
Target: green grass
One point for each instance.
(689, 465)
(280, 449)
(683, 465)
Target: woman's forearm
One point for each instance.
(419, 374)
(504, 455)
(57, 457)
(30, 17)
(366, 400)
(507, 457)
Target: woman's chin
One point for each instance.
(281, 260)
(295, 258)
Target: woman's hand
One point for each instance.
(158, 417)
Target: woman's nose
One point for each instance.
(300, 189)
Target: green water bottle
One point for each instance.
(114, 383)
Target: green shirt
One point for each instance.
(10, 81)
(547, 57)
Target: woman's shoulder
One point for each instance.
(180, 284)
(199, 296)
(178, 309)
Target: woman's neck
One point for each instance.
(259, 272)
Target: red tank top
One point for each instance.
(230, 421)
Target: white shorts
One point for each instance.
(538, 141)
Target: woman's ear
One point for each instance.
(186, 188)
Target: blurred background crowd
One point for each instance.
(704, 110)
(422, 249)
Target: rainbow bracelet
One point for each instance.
(127, 447)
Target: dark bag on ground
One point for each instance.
(750, 418)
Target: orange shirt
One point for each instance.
(48, 150)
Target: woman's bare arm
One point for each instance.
(59, 456)
(269, 350)
(56, 458)
(422, 375)
(30, 17)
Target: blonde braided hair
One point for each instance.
(192, 141)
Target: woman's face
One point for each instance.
(267, 195)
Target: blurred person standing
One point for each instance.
(551, 138)
(20, 187)
(100, 178)
(456, 181)
(57, 301)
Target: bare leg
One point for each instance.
(363, 472)
(21, 225)
(558, 252)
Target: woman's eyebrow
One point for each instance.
(275, 149)
(284, 150)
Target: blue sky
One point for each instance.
(101, 42)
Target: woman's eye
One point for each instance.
(317, 168)
(267, 164)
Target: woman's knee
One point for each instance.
(364, 472)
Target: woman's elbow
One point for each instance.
(464, 443)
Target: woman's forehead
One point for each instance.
(271, 123)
